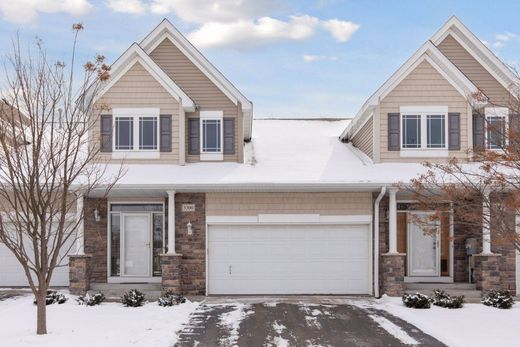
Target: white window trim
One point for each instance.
(135, 153)
(496, 112)
(212, 115)
(423, 151)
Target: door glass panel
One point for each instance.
(137, 245)
(157, 243)
(115, 245)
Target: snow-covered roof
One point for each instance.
(283, 155)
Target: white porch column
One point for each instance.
(171, 221)
(392, 222)
(80, 231)
(486, 230)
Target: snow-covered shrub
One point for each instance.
(53, 297)
(169, 298)
(499, 298)
(91, 300)
(416, 300)
(133, 298)
(443, 299)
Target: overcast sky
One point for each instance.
(307, 58)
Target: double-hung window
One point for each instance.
(211, 130)
(424, 130)
(496, 126)
(136, 132)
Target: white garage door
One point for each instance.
(289, 259)
(12, 274)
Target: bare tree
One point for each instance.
(483, 187)
(47, 162)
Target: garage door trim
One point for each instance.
(300, 219)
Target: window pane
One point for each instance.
(496, 129)
(147, 132)
(411, 131)
(157, 243)
(211, 135)
(115, 232)
(124, 133)
(436, 131)
(136, 207)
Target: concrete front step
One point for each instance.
(114, 291)
(444, 286)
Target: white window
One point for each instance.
(423, 131)
(136, 133)
(211, 132)
(496, 126)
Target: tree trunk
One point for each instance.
(41, 320)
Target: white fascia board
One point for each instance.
(428, 51)
(167, 30)
(490, 57)
(134, 55)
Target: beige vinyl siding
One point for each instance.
(364, 138)
(251, 204)
(206, 95)
(474, 71)
(424, 86)
(137, 88)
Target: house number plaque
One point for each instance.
(188, 207)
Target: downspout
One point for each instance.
(376, 240)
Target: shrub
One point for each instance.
(53, 297)
(133, 298)
(443, 299)
(499, 298)
(169, 298)
(416, 300)
(91, 300)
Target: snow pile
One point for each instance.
(473, 325)
(108, 324)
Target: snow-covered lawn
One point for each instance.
(473, 325)
(109, 324)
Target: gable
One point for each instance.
(190, 78)
(459, 56)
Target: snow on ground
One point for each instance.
(394, 330)
(473, 325)
(109, 324)
(231, 320)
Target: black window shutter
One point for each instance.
(454, 131)
(479, 132)
(106, 133)
(229, 135)
(514, 129)
(165, 130)
(193, 135)
(393, 132)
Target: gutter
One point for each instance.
(376, 240)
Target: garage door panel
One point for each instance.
(288, 259)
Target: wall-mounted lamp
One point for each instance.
(97, 216)
(189, 228)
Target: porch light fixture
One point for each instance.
(97, 216)
(189, 228)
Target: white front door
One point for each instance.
(136, 244)
(423, 251)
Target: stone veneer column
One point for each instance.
(171, 272)
(392, 273)
(79, 273)
(487, 271)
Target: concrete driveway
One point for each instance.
(311, 321)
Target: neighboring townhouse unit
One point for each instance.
(213, 202)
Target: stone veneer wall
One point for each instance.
(96, 238)
(192, 247)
